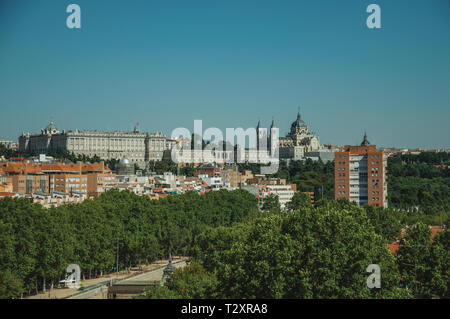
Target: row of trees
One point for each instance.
(320, 252)
(308, 175)
(427, 157)
(418, 187)
(163, 166)
(418, 181)
(414, 181)
(71, 156)
(37, 244)
(158, 167)
(6, 152)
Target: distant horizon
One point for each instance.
(167, 135)
(230, 64)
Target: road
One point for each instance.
(154, 275)
(157, 266)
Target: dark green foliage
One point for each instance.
(309, 252)
(37, 244)
(387, 222)
(190, 282)
(417, 181)
(7, 152)
(160, 167)
(299, 201)
(415, 184)
(159, 292)
(308, 175)
(424, 265)
(70, 156)
(10, 285)
(312, 253)
(272, 204)
(440, 265)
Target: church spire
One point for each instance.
(365, 141)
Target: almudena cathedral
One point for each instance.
(140, 148)
(135, 146)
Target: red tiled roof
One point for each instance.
(394, 246)
(4, 194)
(25, 168)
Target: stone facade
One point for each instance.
(8, 144)
(135, 146)
(296, 144)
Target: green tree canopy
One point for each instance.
(315, 253)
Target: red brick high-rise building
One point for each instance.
(360, 174)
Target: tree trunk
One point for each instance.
(43, 284)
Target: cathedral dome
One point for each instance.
(298, 122)
(124, 167)
(365, 141)
(51, 127)
(124, 162)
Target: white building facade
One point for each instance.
(298, 142)
(135, 146)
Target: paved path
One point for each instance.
(154, 275)
(151, 275)
(60, 293)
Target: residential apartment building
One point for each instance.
(24, 178)
(5, 184)
(284, 193)
(68, 182)
(233, 178)
(100, 182)
(82, 178)
(360, 175)
(262, 192)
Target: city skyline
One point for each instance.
(229, 64)
(136, 128)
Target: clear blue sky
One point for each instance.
(165, 63)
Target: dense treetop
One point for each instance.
(37, 244)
